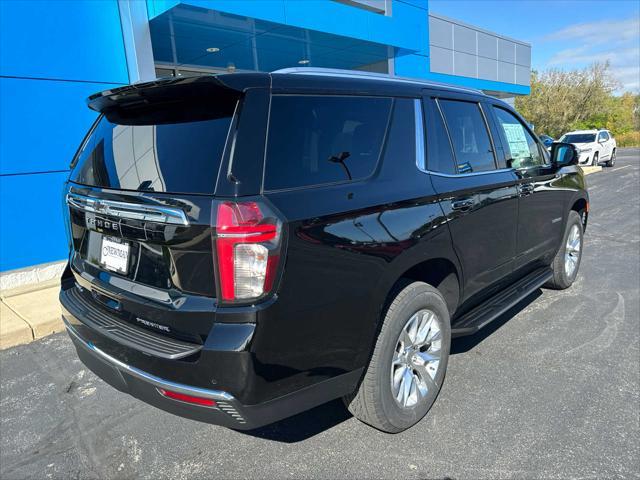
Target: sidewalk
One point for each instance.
(27, 314)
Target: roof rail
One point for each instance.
(337, 72)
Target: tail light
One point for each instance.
(247, 243)
(182, 397)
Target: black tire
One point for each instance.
(612, 160)
(373, 402)
(561, 277)
(595, 159)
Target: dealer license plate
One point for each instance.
(114, 254)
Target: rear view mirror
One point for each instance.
(563, 154)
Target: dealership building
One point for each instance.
(53, 54)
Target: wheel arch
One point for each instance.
(581, 206)
(439, 272)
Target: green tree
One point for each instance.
(564, 100)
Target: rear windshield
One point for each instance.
(169, 157)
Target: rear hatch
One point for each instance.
(139, 200)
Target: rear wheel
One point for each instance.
(612, 160)
(567, 261)
(595, 159)
(409, 361)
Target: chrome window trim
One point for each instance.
(147, 377)
(150, 213)
(471, 174)
(421, 159)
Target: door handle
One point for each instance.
(526, 189)
(463, 204)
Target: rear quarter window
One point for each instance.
(316, 140)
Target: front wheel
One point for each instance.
(567, 261)
(408, 363)
(595, 159)
(612, 160)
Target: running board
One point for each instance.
(495, 306)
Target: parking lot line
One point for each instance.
(620, 168)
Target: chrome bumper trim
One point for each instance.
(147, 377)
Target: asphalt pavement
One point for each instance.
(550, 390)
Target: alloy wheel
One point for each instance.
(416, 359)
(572, 251)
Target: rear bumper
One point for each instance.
(228, 411)
(145, 387)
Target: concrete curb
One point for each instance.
(28, 314)
(14, 330)
(590, 170)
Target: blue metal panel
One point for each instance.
(42, 123)
(331, 17)
(409, 28)
(271, 10)
(481, 84)
(158, 7)
(52, 55)
(31, 232)
(423, 4)
(64, 39)
(411, 65)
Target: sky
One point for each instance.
(563, 34)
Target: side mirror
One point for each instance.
(563, 154)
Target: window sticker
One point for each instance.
(517, 140)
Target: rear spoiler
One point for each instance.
(175, 99)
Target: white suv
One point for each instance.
(595, 146)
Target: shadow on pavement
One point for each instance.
(464, 344)
(305, 424)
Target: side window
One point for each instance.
(469, 136)
(604, 136)
(403, 145)
(521, 145)
(439, 154)
(315, 140)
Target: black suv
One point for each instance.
(247, 246)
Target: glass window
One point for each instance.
(168, 157)
(316, 140)
(440, 156)
(578, 138)
(469, 135)
(521, 146)
(402, 146)
(603, 137)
